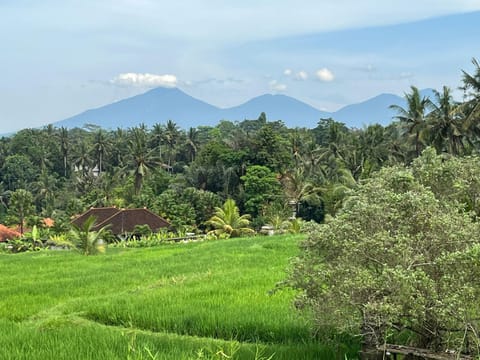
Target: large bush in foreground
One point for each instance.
(396, 260)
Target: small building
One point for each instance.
(122, 221)
(7, 233)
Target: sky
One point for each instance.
(61, 57)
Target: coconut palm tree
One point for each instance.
(119, 148)
(87, 241)
(143, 158)
(227, 220)
(471, 106)
(45, 188)
(192, 143)
(157, 137)
(101, 146)
(296, 140)
(297, 188)
(413, 117)
(172, 134)
(64, 147)
(444, 123)
(82, 159)
(471, 83)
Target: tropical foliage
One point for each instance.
(256, 162)
(227, 220)
(86, 240)
(403, 256)
(397, 204)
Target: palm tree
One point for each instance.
(40, 148)
(45, 188)
(444, 123)
(64, 147)
(372, 144)
(310, 159)
(301, 141)
(413, 116)
(86, 240)
(101, 146)
(157, 137)
(119, 148)
(298, 188)
(143, 158)
(82, 159)
(471, 83)
(192, 143)
(172, 134)
(471, 105)
(395, 146)
(227, 220)
(230, 179)
(106, 184)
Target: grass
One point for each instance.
(208, 300)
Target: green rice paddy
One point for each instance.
(205, 300)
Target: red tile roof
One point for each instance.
(7, 234)
(122, 220)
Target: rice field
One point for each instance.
(205, 300)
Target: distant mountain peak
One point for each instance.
(161, 104)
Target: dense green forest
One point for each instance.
(183, 174)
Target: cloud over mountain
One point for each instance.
(145, 80)
(276, 86)
(325, 75)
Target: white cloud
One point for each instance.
(301, 75)
(145, 80)
(325, 75)
(276, 86)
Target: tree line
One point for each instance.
(270, 170)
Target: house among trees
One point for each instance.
(7, 233)
(122, 221)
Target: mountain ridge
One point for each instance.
(159, 105)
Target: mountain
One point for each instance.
(277, 107)
(162, 104)
(374, 110)
(154, 106)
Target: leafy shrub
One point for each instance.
(396, 258)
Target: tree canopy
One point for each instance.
(398, 259)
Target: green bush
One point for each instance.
(397, 258)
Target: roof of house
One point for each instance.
(8, 233)
(122, 221)
(100, 214)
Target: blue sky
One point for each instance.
(59, 58)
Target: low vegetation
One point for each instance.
(194, 300)
(400, 263)
(228, 221)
